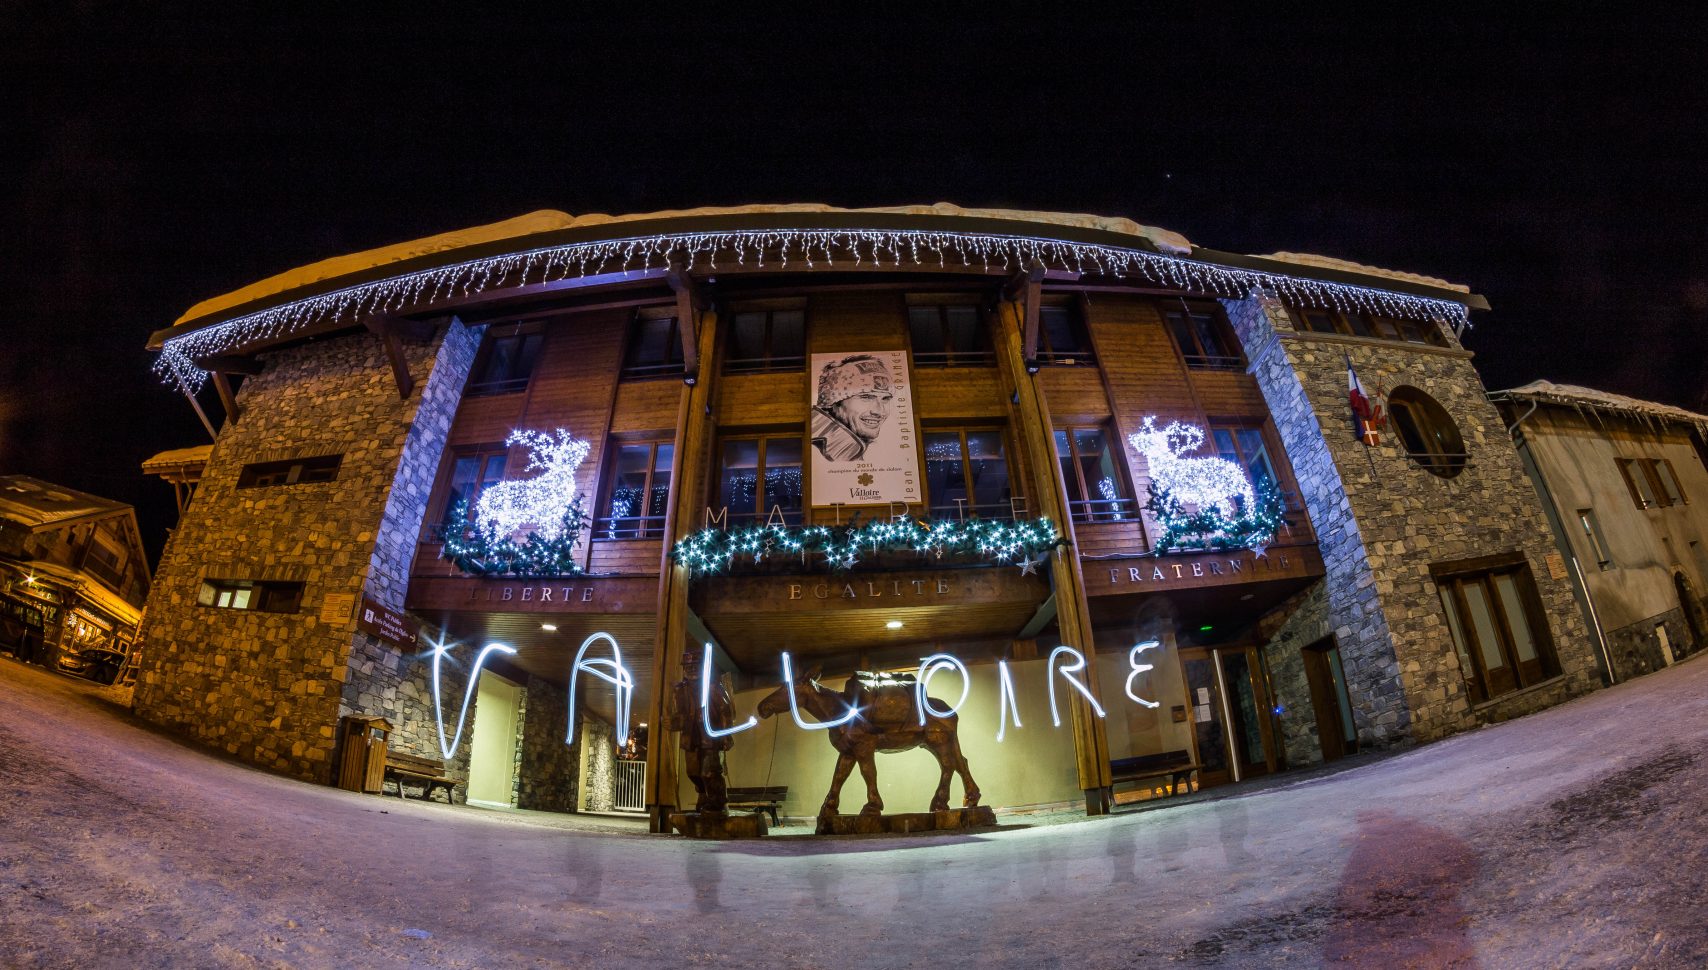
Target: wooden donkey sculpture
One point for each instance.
(888, 720)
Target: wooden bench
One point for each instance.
(767, 800)
(1176, 766)
(427, 772)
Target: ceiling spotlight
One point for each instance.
(893, 625)
(549, 627)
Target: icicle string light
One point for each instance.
(716, 550)
(704, 250)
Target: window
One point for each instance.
(966, 474)
(1062, 337)
(766, 340)
(1427, 431)
(1351, 323)
(1667, 478)
(1638, 483)
(249, 594)
(640, 492)
(758, 475)
(1245, 448)
(1204, 338)
(471, 474)
(297, 471)
(1592, 535)
(655, 345)
(949, 335)
(1498, 629)
(506, 360)
(1091, 472)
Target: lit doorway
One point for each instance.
(1228, 704)
(492, 746)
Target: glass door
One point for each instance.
(1228, 705)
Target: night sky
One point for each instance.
(1555, 167)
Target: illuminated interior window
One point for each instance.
(966, 474)
(1091, 472)
(759, 474)
(639, 491)
(266, 596)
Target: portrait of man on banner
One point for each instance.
(855, 398)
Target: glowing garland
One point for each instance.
(1227, 512)
(1209, 528)
(715, 550)
(177, 366)
(547, 506)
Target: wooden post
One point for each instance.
(695, 431)
(689, 303)
(1036, 438)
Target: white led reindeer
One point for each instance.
(541, 501)
(1204, 482)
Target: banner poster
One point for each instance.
(863, 448)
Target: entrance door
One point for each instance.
(1329, 699)
(1229, 708)
(492, 746)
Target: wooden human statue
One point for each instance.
(702, 754)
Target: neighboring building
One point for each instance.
(73, 578)
(182, 469)
(1625, 488)
(807, 368)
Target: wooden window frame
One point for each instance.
(447, 476)
(1452, 579)
(769, 362)
(1084, 510)
(1078, 325)
(1424, 333)
(266, 596)
(1197, 356)
(1675, 494)
(495, 334)
(1637, 485)
(764, 438)
(650, 526)
(674, 364)
(983, 355)
(1005, 511)
(1402, 408)
(318, 469)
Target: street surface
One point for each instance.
(1574, 837)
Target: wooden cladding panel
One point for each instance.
(486, 420)
(1229, 394)
(647, 406)
(1109, 538)
(762, 400)
(856, 322)
(957, 393)
(628, 556)
(1145, 374)
(572, 382)
(1075, 394)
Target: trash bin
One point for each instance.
(363, 766)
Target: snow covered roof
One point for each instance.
(39, 505)
(550, 220)
(1590, 399)
(178, 458)
(1348, 266)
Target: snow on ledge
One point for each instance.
(1572, 395)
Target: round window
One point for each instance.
(1427, 432)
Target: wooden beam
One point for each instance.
(1027, 287)
(690, 300)
(390, 333)
(230, 364)
(212, 434)
(227, 399)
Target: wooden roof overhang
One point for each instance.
(644, 229)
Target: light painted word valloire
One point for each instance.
(1064, 667)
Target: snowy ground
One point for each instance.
(1571, 838)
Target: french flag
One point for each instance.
(1366, 417)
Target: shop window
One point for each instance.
(1062, 337)
(1351, 323)
(472, 473)
(248, 594)
(506, 360)
(639, 492)
(767, 340)
(1090, 464)
(757, 475)
(949, 335)
(296, 471)
(1596, 541)
(1203, 336)
(655, 345)
(1498, 629)
(966, 474)
(1427, 431)
(1245, 447)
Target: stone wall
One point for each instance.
(269, 687)
(546, 776)
(1636, 648)
(1285, 632)
(1382, 520)
(600, 776)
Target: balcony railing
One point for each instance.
(1104, 510)
(628, 527)
(763, 365)
(954, 358)
(1205, 362)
